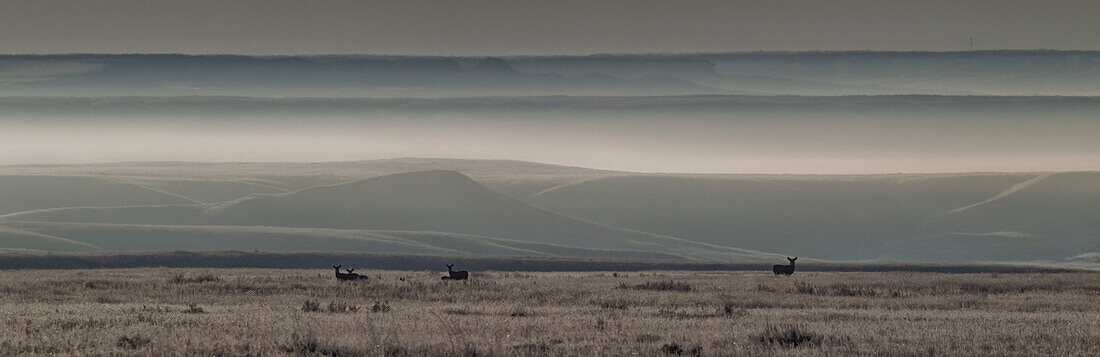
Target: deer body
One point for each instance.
(784, 269)
(347, 276)
(457, 274)
(351, 271)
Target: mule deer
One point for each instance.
(457, 274)
(342, 276)
(351, 271)
(784, 269)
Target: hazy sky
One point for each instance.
(496, 27)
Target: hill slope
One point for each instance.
(24, 193)
(912, 217)
(65, 236)
(215, 182)
(440, 201)
(1017, 217)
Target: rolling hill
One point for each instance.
(215, 182)
(99, 237)
(977, 217)
(32, 192)
(438, 201)
(492, 207)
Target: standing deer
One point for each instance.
(457, 274)
(784, 269)
(342, 276)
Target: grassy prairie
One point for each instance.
(308, 312)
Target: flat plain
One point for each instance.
(161, 311)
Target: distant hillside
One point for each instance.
(985, 217)
(26, 192)
(19, 240)
(494, 207)
(47, 236)
(215, 182)
(207, 191)
(440, 201)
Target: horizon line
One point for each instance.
(410, 158)
(591, 54)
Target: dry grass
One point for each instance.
(303, 312)
(659, 285)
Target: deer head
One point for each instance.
(350, 270)
(792, 260)
(337, 267)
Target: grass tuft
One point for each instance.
(731, 309)
(132, 342)
(461, 311)
(804, 288)
(380, 307)
(311, 306)
(332, 308)
(302, 344)
(617, 304)
(647, 338)
(674, 349)
(341, 308)
(307, 344)
(193, 309)
(790, 336)
(660, 286)
(766, 288)
(202, 278)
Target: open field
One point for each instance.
(308, 312)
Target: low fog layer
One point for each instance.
(716, 134)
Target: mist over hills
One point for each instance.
(775, 73)
(266, 153)
(741, 134)
(809, 112)
(960, 218)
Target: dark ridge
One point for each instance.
(324, 260)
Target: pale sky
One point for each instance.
(514, 27)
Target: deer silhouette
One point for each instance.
(457, 274)
(351, 271)
(784, 269)
(342, 276)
